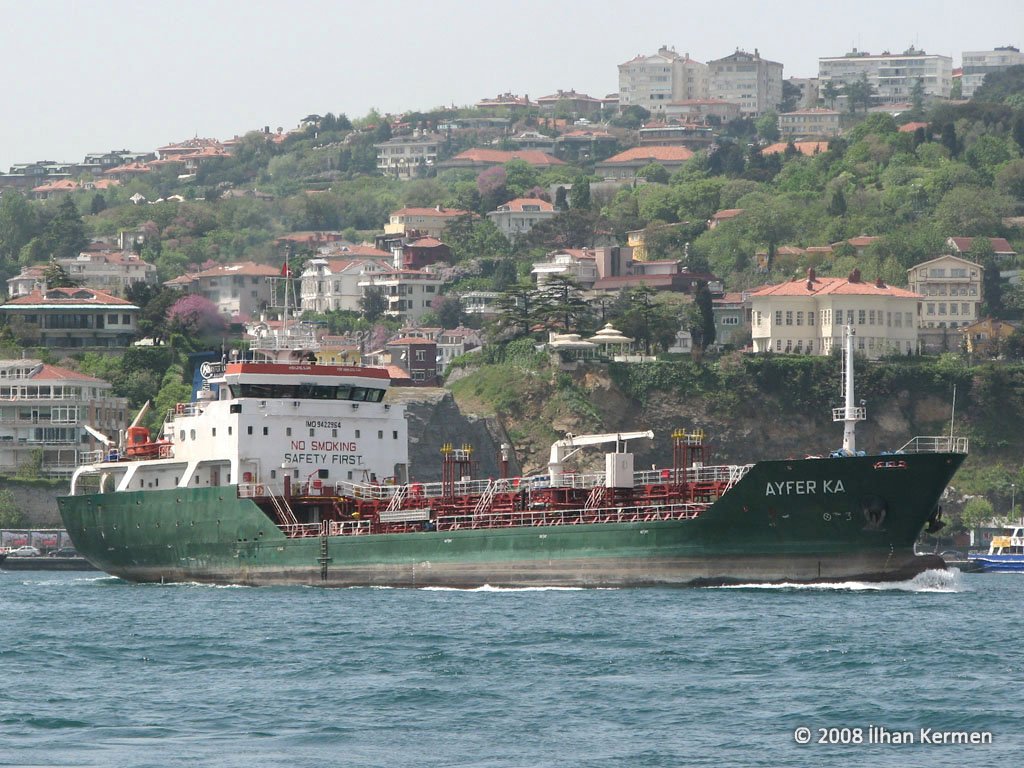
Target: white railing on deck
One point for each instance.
(935, 444)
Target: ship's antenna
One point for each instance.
(850, 413)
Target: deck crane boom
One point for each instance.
(571, 444)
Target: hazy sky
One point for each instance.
(136, 74)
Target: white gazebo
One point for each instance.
(572, 345)
(611, 341)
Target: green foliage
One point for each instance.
(11, 515)
(977, 512)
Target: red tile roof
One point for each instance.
(57, 297)
(241, 268)
(426, 242)
(999, 244)
(443, 213)
(410, 340)
(911, 127)
(56, 373)
(652, 154)
(726, 213)
(834, 285)
(499, 157)
(64, 185)
(520, 202)
(129, 168)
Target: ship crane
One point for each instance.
(572, 444)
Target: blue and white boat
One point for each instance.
(1005, 553)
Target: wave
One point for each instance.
(948, 580)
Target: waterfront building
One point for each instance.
(43, 413)
(807, 316)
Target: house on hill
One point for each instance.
(807, 316)
(517, 217)
(625, 165)
(71, 319)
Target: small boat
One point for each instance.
(1005, 553)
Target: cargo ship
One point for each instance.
(298, 473)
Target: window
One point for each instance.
(954, 308)
(799, 318)
(126, 319)
(778, 345)
(394, 434)
(861, 316)
(288, 432)
(112, 319)
(789, 317)
(810, 318)
(942, 307)
(965, 309)
(849, 317)
(380, 434)
(871, 317)
(249, 430)
(266, 431)
(931, 308)
(778, 317)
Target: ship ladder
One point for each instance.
(484, 502)
(324, 558)
(595, 499)
(284, 511)
(396, 501)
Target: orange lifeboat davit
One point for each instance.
(139, 446)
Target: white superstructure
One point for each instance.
(262, 425)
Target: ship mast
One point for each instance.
(850, 413)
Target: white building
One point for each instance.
(239, 290)
(517, 217)
(977, 64)
(334, 284)
(654, 81)
(43, 410)
(577, 264)
(748, 80)
(807, 316)
(110, 271)
(405, 157)
(892, 76)
(410, 293)
(953, 289)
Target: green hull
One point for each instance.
(801, 520)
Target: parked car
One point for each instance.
(25, 551)
(63, 552)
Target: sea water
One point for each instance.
(98, 672)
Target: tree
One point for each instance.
(917, 96)
(448, 310)
(17, 228)
(654, 173)
(57, 277)
(704, 332)
(579, 195)
(65, 235)
(563, 303)
(837, 203)
(999, 86)
(977, 512)
(561, 199)
(98, 205)
(949, 139)
(196, 318)
(768, 126)
(830, 93)
(859, 92)
(373, 303)
(11, 515)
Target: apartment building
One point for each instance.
(334, 284)
(953, 290)
(427, 222)
(43, 413)
(806, 123)
(405, 157)
(652, 82)
(893, 76)
(748, 80)
(807, 316)
(977, 64)
(410, 293)
(243, 289)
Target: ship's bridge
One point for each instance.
(296, 381)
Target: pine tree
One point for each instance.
(66, 234)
